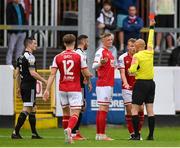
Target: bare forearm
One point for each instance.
(38, 77)
(87, 75)
(50, 82)
(17, 77)
(123, 77)
(18, 80)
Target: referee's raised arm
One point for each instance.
(150, 44)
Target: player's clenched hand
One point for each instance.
(152, 22)
(126, 85)
(151, 19)
(104, 61)
(46, 95)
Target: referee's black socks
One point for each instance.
(32, 121)
(135, 120)
(21, 120)
(151, 124)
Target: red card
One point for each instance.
(151, 16)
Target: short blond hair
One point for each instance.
(107, 34)
(132, 40)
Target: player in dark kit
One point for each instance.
(82, 45)
(27, 76)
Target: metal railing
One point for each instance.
(75, 28)
(46, 28)
(173, 32)
(44, 13)
(42, 34)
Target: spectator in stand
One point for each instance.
(1, 21)
(98, 7)
(15, 16)
(27, 8)
(106, 20)
(132, 25)
(122, 12)
(174, 59)
(165, 10)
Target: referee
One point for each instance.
(27, 76)
(144, 89)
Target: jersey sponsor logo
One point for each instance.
(68, 78)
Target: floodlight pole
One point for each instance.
(86, 25)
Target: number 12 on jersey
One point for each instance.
(68, 66)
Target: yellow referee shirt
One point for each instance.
(143, 67)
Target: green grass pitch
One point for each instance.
(164, 136)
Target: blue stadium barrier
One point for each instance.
(116, 114)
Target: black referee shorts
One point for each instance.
(144, 92)
(28, 97)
